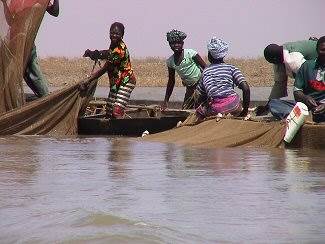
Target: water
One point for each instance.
(118, 190)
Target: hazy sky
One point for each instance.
(248, 25)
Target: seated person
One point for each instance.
(215, 90)
(286, 60)
(187, 63)
(309, 86)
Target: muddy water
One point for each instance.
(117, 190)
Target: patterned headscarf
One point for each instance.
(218, 48)
(175, 36)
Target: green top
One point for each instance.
(310, 79)
(188, 70)
(306, 47)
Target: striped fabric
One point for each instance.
(117, 101)
(218, 81)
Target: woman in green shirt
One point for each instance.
(187, 63)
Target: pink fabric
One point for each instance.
(225, 105)
(219, 105)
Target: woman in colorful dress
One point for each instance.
(119, 70)
(187, 63)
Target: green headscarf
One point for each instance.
(175, 36)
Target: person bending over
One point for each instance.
(309, 86)
(286, 60)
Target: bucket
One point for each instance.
(295, 120)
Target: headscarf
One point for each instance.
(273, 53)
(217, 48)
(175, 36)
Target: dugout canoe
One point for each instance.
(137, 120)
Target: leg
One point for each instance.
(34, 76)
(110, 103)
(122, 99)
(280, 109)
(188, 98)
(279, 90)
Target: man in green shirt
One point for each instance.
(309, 86)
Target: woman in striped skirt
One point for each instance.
(119, 70)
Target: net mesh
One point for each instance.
(227, 132)
(55, 114)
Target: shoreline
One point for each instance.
(157, 94)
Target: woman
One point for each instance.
(187, 63)
(216, 88)
(119, 70)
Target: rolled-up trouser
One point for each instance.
(117, 100)
(34, 76)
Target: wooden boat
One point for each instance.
(310, 135)
(138, 118)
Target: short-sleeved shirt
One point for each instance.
(122, 71)
(310, 79)
(218, 81)
(188, 70)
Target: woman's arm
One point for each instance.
(246, 97)
(199, 61)
(101, 71)
(54, 8)
(169, 88)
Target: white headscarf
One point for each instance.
(218, 48)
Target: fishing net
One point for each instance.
(55, 114)
(224, 132)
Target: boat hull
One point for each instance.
(126, 127)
